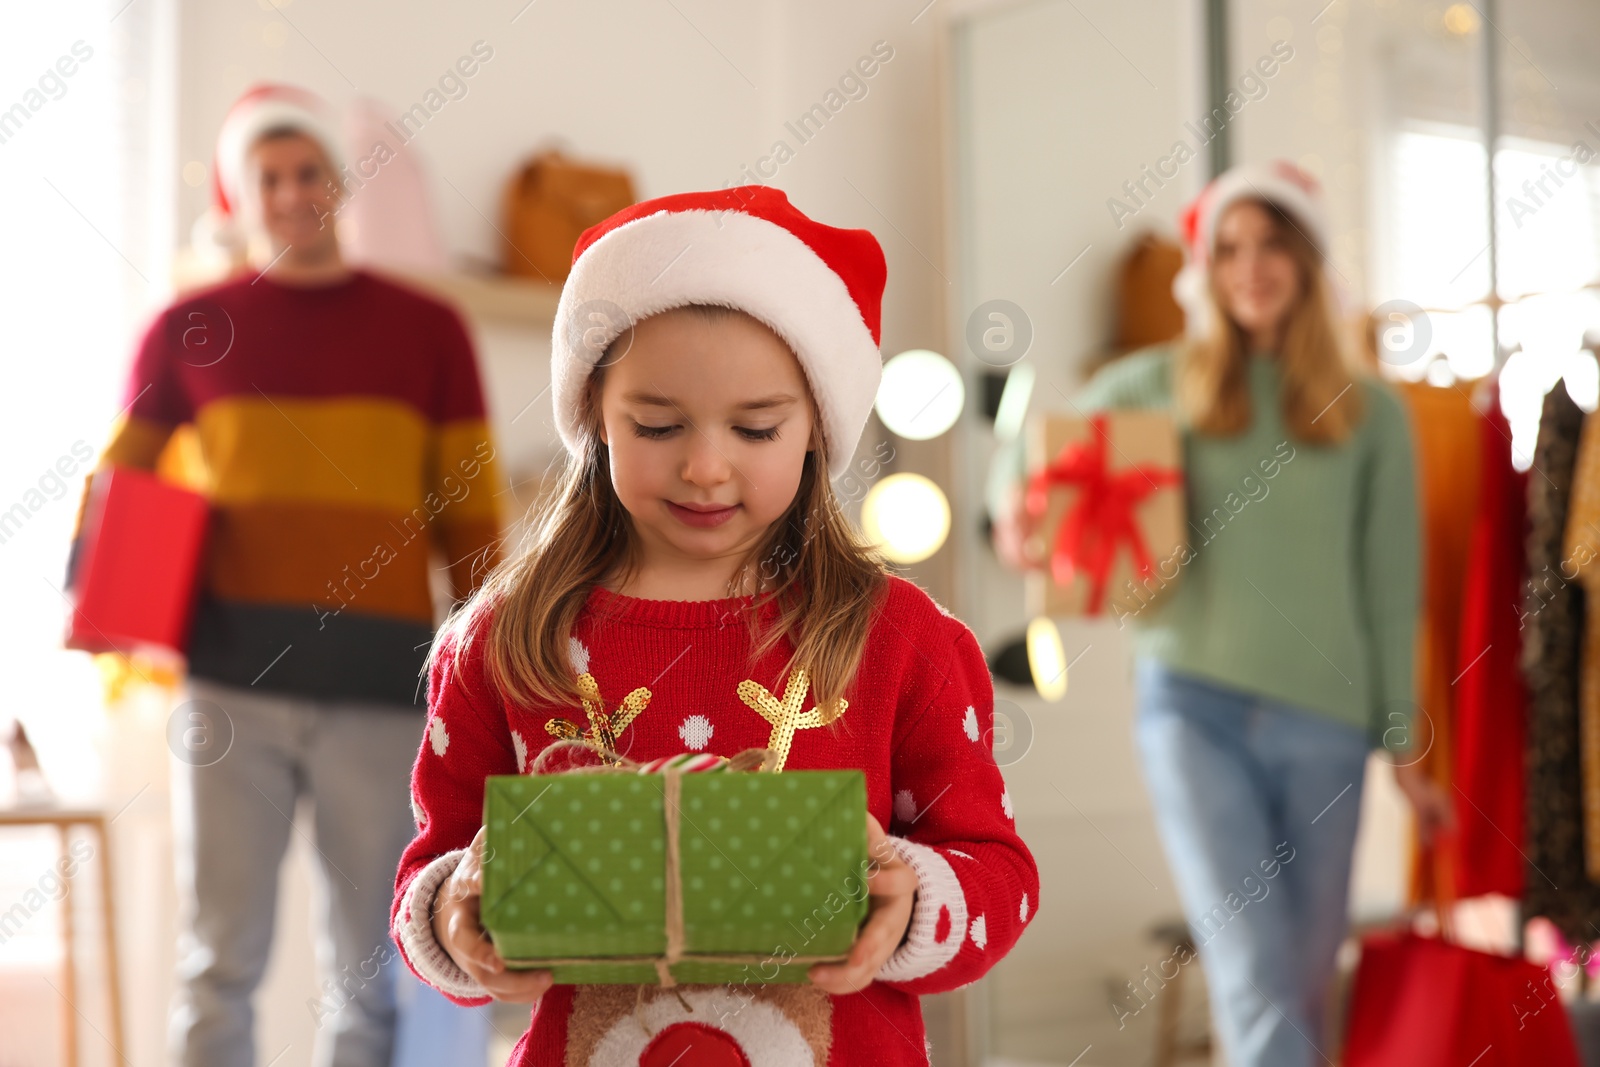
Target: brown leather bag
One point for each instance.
(549, 203)
(1147, 312)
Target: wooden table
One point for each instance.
(94, 820)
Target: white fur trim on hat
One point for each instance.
(1189, 290)
(1264, 181)
(673, 258)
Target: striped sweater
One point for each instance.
(342, 441)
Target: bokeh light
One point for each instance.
(1047, 659)
(921, 395)
(908, 516)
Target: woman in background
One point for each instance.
(1284, 652)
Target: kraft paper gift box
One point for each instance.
(1106, 495)
(771, 870)
(137, 572)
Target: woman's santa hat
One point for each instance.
(1279, 183)
(819, 288)
(259, 110)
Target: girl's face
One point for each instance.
(708, 422)
(1255, 274)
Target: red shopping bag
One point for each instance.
(138, 570)
(1424, 1001)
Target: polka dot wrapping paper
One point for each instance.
(772, 871)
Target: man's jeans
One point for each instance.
(1257, 804)
(240, 764)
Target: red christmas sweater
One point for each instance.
(918, 722)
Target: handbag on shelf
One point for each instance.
(549, 202)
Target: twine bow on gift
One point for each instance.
(1101, 518)
(672, 769)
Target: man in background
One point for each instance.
(343, 446)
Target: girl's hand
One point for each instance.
(457, 928)
(893, 888)
(1435, 813)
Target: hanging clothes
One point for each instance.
(1552, 627)
(1580, 548)
(1490, 701)
(1446, 428)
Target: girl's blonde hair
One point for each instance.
(812, 566)
(1212, 381)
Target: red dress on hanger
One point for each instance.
(1490, 704)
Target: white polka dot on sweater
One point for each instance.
(979, 932)
(578, 656)
(905, 806)
(439, 736)
(970, 723)
(1022, 912)
(1005, 804)
(522, 751)
(696, 731)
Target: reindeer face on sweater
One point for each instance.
(715, 1026)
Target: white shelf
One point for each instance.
(496, 298)
(483, 297)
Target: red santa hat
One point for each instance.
(1279, 183)
(262, 108)
(817, 287)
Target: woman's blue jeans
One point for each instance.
(1257, 804)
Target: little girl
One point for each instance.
(693, 585)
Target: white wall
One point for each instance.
(685, 101)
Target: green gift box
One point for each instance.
(768, 874)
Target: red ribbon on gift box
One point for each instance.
(1102, 517)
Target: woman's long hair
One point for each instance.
(812, 566)
(1213, 387)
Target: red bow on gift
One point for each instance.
(1102, 517)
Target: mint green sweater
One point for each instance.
(1302, 581)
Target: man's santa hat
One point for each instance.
(817, 287)
(262, 108)
(1279, 183)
